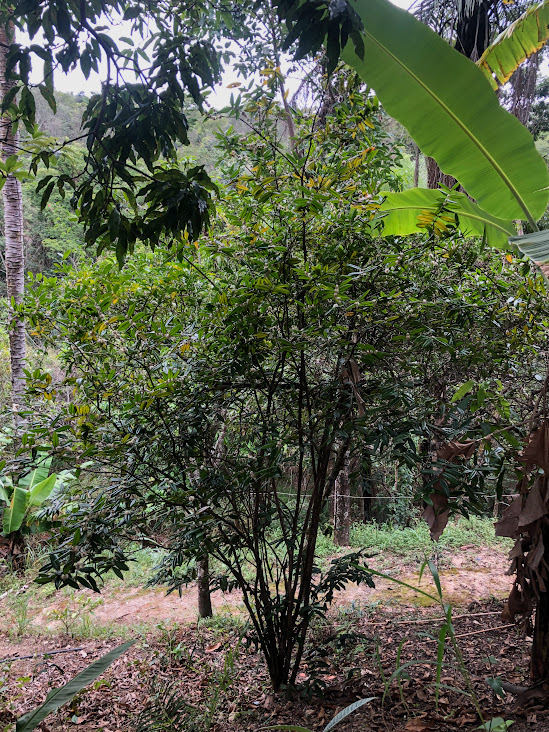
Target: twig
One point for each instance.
(476, 632)
(17, 592)
(435, 620)
(42, 653)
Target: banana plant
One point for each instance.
(449, 108)
(524, 37)
(21, 500)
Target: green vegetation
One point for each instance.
(239, 355)
(415, 540)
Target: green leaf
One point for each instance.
(37, 475)
(9, 97)
(40, 491)
(495, 685)
(434, 572)
(401, 211)
(4, 494)
(57, 697)
(440, 656)
(345, 712)
(445, 102)
(15, 512)
(49, 96)
(497, 724)
(536, 247)
(515, 44)
(462, 391)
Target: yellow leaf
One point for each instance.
(509, 258)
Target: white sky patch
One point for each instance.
(75, 82)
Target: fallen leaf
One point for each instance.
(216, 647)
(419, 725)
(466, 719)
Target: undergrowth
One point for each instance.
(416, 541)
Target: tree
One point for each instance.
(13, 231)
(450, 111)
(392, 53)
(539, 120)
(286, 338)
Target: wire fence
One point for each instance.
(393, 496)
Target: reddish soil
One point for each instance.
(469, 575)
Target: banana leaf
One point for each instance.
(14, 514)
(4, 495)
(40, 491)
(447, 105)
(515, 44)
(400, 213)
(57, 697)
(37, 475)
(536, 247)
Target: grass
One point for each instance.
(415, 540)
(140, 569)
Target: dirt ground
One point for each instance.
(470, 574)
(354, 653)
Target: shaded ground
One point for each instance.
(354, 669)
(352, 654)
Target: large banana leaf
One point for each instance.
(447, 105)
(515, 44)
(57, 697)
(536, 247)
(15, 512)
(40, 491)
(401, 211)
(36, 475)
(4, 495)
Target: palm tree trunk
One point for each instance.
(13, 233)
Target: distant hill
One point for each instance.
(65, 125)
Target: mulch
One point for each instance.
(351, 655)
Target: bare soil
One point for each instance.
(469, 574)
(354, 653)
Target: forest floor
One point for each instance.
(223, 685)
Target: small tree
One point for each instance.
(292, 332)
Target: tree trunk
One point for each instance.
(368, 489)
(13, 233)
(539, 655)
(342, 508)
(435, 176)
(523, 83)
(539, 660)
(203, 581)
(416, 165)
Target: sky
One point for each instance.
(75, 82)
